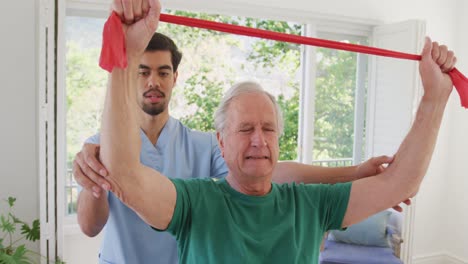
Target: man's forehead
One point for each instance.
(248, 123)
(248, 113)
(249, 102)
(156, 60)
(155, 66)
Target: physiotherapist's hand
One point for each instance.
(140, 20)
(372, 166)
(398, 208)
(89, 171)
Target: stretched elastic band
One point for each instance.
(113, 52)
(459, 80)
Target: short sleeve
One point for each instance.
(334, 205)
(181, 219)
(93, 139)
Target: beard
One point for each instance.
(154, 110)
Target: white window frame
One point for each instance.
(51, 132)
(307, 103)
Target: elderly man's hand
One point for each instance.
(140, 20)
(436, 62)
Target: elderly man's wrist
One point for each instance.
(439, 101)
(133, 61)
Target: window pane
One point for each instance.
(335, 105)
(85, 88)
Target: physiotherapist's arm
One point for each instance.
(150, 194)
(92, 203)
(92, 212)
(290, 171)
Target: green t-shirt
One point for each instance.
(213, 223)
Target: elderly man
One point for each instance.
(245, 218)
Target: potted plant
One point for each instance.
(12, 246)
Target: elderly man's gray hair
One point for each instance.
(237, 90)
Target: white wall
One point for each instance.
(456, 174)
(442, 202)
(77, 244)
(18, 118)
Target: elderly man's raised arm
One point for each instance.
(403, 177)
(146, 191)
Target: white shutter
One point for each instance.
(394, 92)
(393, 87)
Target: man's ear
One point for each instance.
(176, 74)
(220, 143)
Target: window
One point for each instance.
(336, 132)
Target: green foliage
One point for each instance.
(267, 53)
(85, 83)
(6, 225)
(32, 233)
(17, 257)
(334, 108)
(206, 99)
(185, 36)
(11, 201)
(11, 252)
(288, 141)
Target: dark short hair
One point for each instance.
(161, 42)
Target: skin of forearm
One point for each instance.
(92, 212)
(120, 140)
(404, 175)
(290, 171)
(414, 155)
(151, 195)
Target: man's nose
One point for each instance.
(153, 81)
(258, 138)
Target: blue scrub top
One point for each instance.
(179, 153)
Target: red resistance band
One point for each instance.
(459, 80)
(113, 51)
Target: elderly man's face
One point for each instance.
(250, 142)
